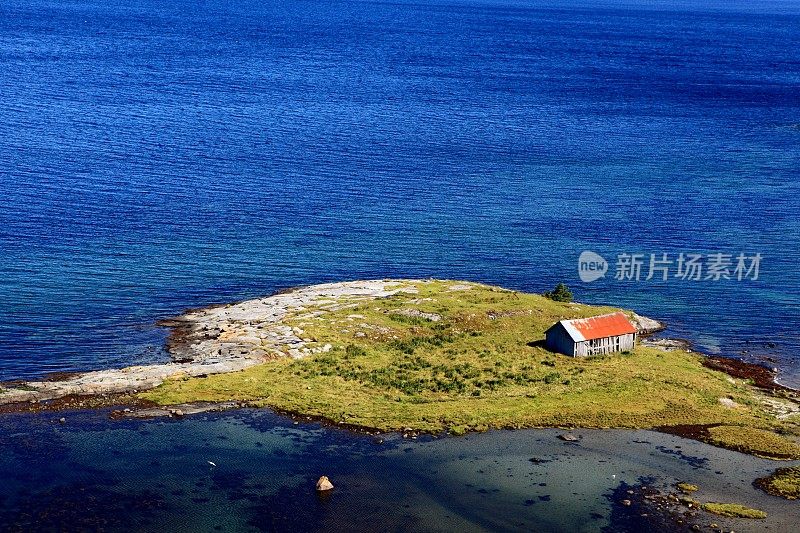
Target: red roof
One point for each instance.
(599, 327)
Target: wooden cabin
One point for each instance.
(597, 335)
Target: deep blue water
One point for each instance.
(162, 155)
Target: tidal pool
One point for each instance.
(90, 472)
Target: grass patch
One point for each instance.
(687, 488)
(754, 441)
(479, 366)
(733, 510)
(784, 482)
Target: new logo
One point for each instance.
(591, 266)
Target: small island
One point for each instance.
(449, 356)
(433, 356)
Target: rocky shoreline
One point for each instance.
(212, 340)
(233, 337)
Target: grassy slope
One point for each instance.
(474, 369)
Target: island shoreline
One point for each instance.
(179, 342)
(183, 333)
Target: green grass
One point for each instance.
(687, 488)
(481, 366)
(784, 482)
(733, 510)
(754, 441)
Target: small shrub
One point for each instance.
(353, 350)
(406, 319)
(560, 294)
(552, 377)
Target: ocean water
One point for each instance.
(158, 155)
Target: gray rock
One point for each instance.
(416, 313)
(645, 325)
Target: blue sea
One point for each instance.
(160, 155)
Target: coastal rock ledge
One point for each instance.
(229, 338)
(217, 339)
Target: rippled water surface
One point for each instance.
(160, 155)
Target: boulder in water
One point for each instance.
(324, 484)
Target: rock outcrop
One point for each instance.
(646, 326)
(215, 340)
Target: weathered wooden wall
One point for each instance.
(559, 341)
(620, 343)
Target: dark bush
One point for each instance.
(560, 294)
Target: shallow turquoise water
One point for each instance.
(91, 473)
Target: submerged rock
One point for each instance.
(667, 344)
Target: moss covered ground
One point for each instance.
(784, 482)
(733, 510)
(754, 441)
